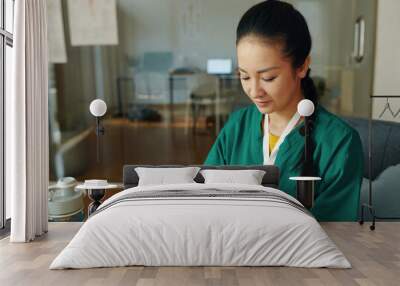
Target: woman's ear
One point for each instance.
(302, 70)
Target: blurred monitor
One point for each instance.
(157, 61)
(219, 66)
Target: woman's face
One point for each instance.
(267, 77)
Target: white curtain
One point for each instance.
(27, 167)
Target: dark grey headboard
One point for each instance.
(270, 179)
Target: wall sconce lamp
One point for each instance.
(306, 182)
(98, 108)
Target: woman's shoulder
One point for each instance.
(243, 120)
(329, 124)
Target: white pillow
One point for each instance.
(248, 177)
(164, 176)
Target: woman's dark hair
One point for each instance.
(279, 22)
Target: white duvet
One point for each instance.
(200, 231)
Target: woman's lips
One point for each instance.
(263, 103)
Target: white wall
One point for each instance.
(387, 58)
(192, 29)
(195, 30)
(199, 29)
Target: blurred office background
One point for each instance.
(166, 69)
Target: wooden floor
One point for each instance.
(126, 142)
(375, 256)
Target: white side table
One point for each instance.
(96, 193)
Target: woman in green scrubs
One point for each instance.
(273, 46)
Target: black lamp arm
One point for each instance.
(308, 169)
(99, 131)
(99, 127)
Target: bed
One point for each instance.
(201, 224)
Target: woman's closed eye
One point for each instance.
(269, 79)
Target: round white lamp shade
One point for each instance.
(98, 107)
(305, 107)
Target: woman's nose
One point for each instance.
(255, 89)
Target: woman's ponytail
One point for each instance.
(308, 88)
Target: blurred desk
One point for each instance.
(222, 81)
(176, 75)
(120, 103)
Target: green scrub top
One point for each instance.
(338, 158)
